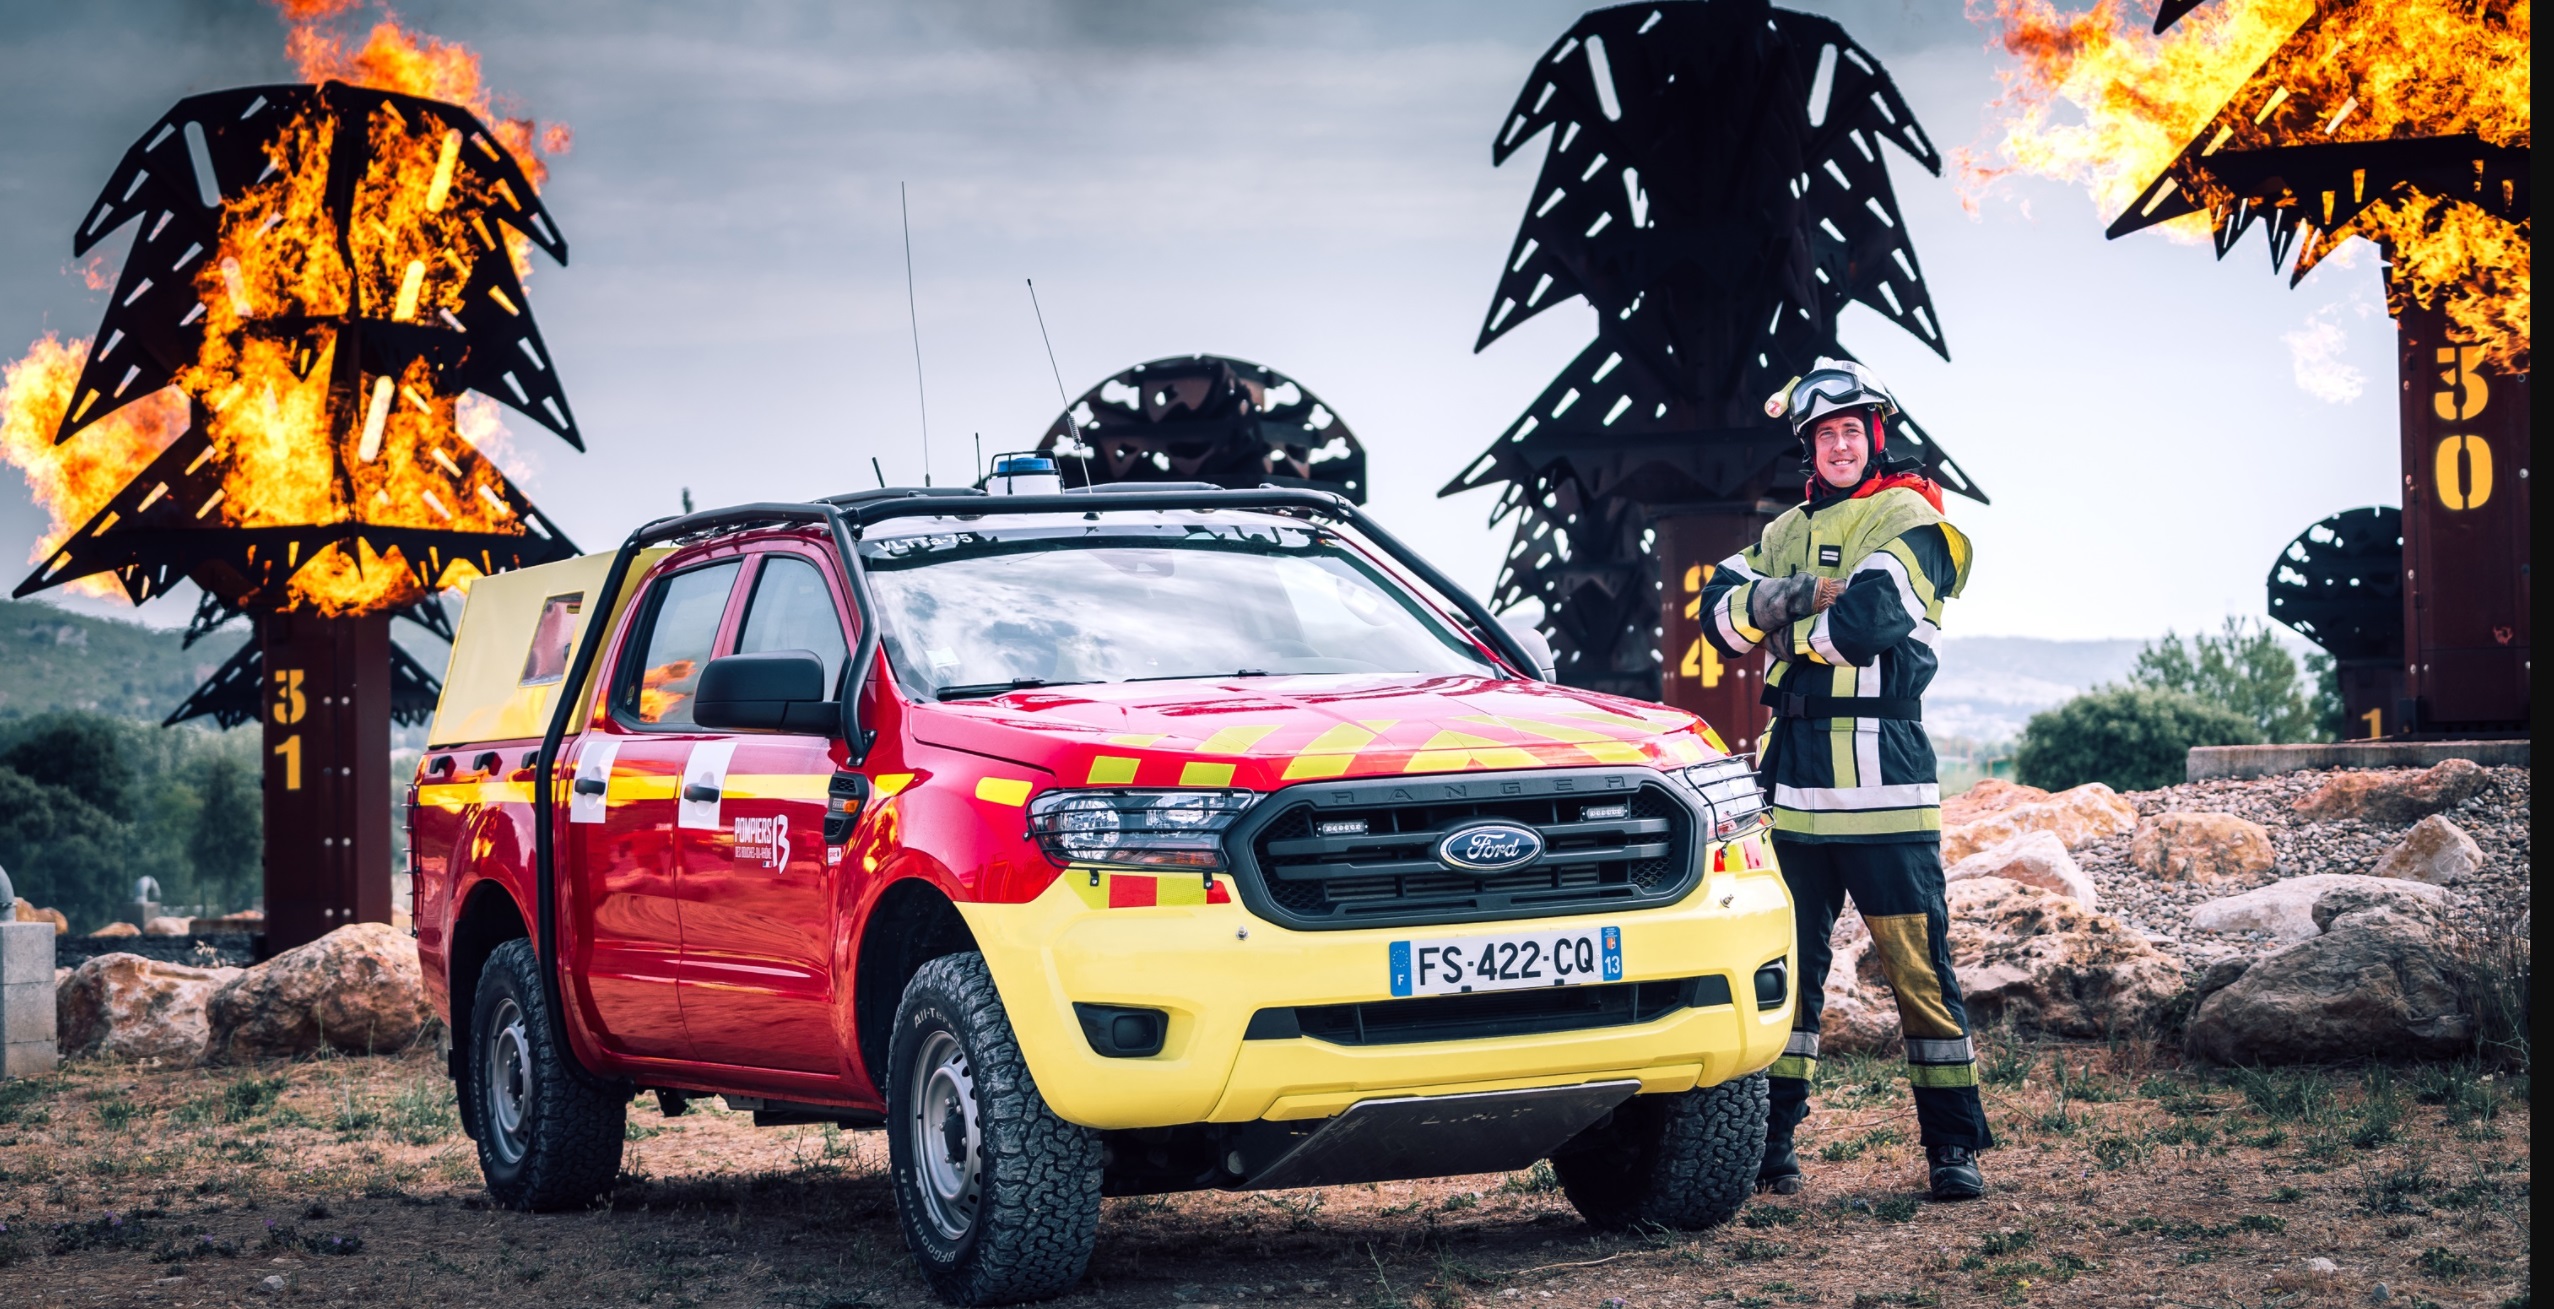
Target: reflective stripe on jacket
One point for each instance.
(1849, 778)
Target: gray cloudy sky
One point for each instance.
(1301, 184)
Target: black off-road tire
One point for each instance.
(1032, 1215)
(1685, 1161)
(548, 1139)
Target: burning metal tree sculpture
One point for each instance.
(321, 271)
(1714, 189)
(1206, 418)
(2407, 123)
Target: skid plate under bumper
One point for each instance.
(1425, 1136)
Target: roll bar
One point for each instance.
(843, 518)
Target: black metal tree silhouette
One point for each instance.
(1206, 418)
(1714, 189)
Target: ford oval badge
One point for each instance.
(1490, 848)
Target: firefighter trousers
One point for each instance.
(1897, 887)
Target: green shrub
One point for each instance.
(2243, 669)
(2330, 715)
(2133, 740)
(89, 803)
(226, 843)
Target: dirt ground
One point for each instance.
(2123, 1179)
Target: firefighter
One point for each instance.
(1845, 591)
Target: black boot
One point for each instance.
(1780, 1172)
(1955, 1172)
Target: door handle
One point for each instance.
(589, 786)
(700, 794)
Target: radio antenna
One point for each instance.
(1060, 396)
(881, 473)
(913, 316)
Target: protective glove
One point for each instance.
(1780, 601)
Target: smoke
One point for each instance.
(2317, 352)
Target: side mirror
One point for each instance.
(1532, 639)
(775, 691)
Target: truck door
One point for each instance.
(625, 834)
(757, 887)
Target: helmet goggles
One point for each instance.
(1830, 386)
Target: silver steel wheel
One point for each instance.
(506, 1064)
(945, 1138)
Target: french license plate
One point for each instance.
(1508, 961)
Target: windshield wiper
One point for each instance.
(1177, 677)
(971, 690)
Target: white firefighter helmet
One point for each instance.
(1828, 386)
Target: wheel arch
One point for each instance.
(489, 918)
(910, 924)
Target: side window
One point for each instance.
(681, 631)
(792, 609)
(547, 661)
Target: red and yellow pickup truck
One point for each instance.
(1089, 844)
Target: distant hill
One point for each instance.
(1989, 686)
(52, 658)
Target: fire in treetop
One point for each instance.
(277, 405)
(393, 58)
(2160, 128)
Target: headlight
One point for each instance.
(1137, 829)
(1729, 791)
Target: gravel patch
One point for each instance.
(2496, 817)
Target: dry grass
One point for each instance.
(2495, 944)
(2124, 1178)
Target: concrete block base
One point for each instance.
(2214, 761)
(27, 1038)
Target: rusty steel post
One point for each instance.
(2466, 558)
(327, 778)
(1692, 540)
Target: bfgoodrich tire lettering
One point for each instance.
(1000, 1199)
(1685, 1161)
(546, 1139)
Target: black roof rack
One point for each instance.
(849, 499)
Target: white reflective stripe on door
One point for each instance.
(707, 767)
(593, 764)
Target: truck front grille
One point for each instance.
(1361, 854)
(1490, 1013)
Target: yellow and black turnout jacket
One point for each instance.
(1846, 757)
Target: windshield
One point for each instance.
(979, 613)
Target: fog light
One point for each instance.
(1772, 987)
(1123, 1033)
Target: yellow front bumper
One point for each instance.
(1211, 966)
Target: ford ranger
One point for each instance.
(1087, 843)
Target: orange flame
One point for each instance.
(2238, 76)
(392, 58)
(2092, 99)
(74, 480)
(303, 447)
(2471, 264)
